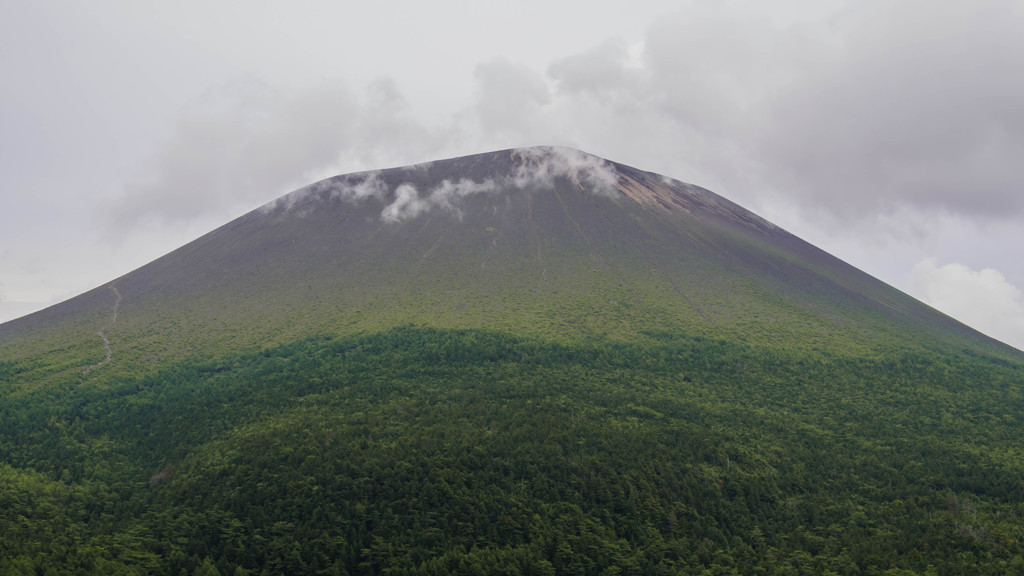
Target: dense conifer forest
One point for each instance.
(427, 451)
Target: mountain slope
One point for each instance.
(544, 240)
(530, 361)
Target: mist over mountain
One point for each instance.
(524, 361)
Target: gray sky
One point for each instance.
(889, 133)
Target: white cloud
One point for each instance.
(370, 185)
(858, 113)
(446, 195)
(407, 204)
(541, 164)
(352, 188)
(247, 143)
(983, 299)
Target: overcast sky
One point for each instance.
(889, 133)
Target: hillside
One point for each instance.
(544, 241)
(527, 361)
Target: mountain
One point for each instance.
(525, 361)
(539, 240)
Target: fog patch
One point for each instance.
(539, 166)
(370, 186)
(407, 204)
(446, 196)
(448, 193)
(350, 188)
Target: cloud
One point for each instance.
(852, 111)
(247, 143)
(604, 71)
(983, 299)
(447, 194)
(909, 103)
(856, 110)
(236, 148)
(407, 202)
(370, 185)
(538, 167)
(353, 188)
(512, 98)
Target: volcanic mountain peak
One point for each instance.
(540, 165)
(410, 191)
(446, 185)
(543, 240)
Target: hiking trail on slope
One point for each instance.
(102, 333)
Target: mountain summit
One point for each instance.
(530, 361)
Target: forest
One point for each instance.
(428, 451)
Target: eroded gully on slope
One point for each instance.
(102, 333)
